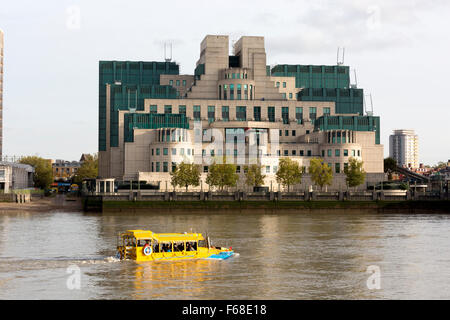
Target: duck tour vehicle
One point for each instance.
(145, 245)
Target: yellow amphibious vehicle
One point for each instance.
(145, 245)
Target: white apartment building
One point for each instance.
(404, 148)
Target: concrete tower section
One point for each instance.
(1, 94)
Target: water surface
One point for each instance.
(283, 255)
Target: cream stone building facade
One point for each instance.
(232, 106)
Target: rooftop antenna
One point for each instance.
(338, 61)
(368, 112)
(165, 52)
(355, 84)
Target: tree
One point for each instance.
(321, 173)
(88, 169)
(222, 175)
(43, 173)
(289, 172)
(254, 176)
(185, 175)
(389, 166)
(355, 173)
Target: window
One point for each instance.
(329, 153)
(312, 114)
(290, 95)
(309, 154)
(153, 152)
(184, 83)
(307, 131)
(165, 167)
(157, 151)
(245, 92)
(182, 110)
(281, 133)
(157, 167)
(257, 113)
(286, 152)
(267, 169)
(359, 153)
(225, 113)
(153, 109)
(286, 133)
(294, 152)
(238, 92)
(345, 166)
(323, 153)
(238, 169)
(178, 83)
(174, 151)
(338, 167)
(293, 133)
(232, 91)
(285, 115)
(205, 169)
(345, 153)
(337, 152)
(302, 153)
(353, 153)
(326, 111)
(241, 113)
(284, 95)
(271, 114)
(165, 151)
(167, 109)
(278, 84)
(284, 84)
(225, 88)
(212, 152)
(275, 169)
(299, 114)
(171, 82)
(197, 116)
(211, 113)
(182, 151)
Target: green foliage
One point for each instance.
(43, 174)
(289, 172)
(355, 173)
(321, 173)
(185, 175)
(390, 165)
(254, 176)
(88, 169)
(222, 175)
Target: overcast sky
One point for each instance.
(400, 50)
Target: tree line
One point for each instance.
(223, 175)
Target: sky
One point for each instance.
(399, 49)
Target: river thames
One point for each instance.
(282, 255)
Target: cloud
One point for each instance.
(362, 25)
